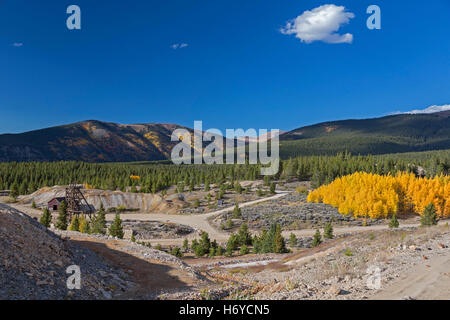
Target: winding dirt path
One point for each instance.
(200, 222)
(429, 280)
(197, 221)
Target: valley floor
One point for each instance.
(412, 263)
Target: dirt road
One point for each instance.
(198, 221)
(429, 280)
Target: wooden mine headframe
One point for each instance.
(76, 202)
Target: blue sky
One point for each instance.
(237, 70)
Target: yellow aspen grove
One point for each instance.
(377, 196)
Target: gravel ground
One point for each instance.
(340, 270)
(139, 251)
(157, 230)
(292, 212)
(33, 262)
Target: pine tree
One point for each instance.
(83, 224)
(292, 240)
(328, 231)
(186, 245)
(257, 244)
(33, 205)
(429, 216)
(279, 245)
(176, 252)
(317, 239)
(204, 244)
(46, 218)
(232, 244)
(14, 191)
(75, 224)
(238, 187)
(244, 250)
(244, 236)
(99, 221)
(236, 212)
(267, 239)
(198, 251)
(394, 222)
(272, 188)
(116, 229)
(266, 181)
(219, 251)
(61, 223)
(194, 244)
(133, 239)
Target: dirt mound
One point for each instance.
(34, 260)
(144, 202)
(157, 230)
(33, 263)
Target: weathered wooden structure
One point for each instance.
(55, 203)
(76, 202)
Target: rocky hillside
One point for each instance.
(91, 141)
(145, 202)
(33, 263)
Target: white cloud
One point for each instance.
(17, 44)
(430, 109)
(176, 46)
(320, 24)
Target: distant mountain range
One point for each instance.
(97, 141)
(390, 134)
(91, 141)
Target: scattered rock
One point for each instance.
(106, 294)
(335, 290)
(59, 263)
(36, 270)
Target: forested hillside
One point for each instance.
(391, 134)
(96, 141)
(26, 177)
(90, 141)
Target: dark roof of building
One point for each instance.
(59, 199)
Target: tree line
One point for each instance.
(27, 177)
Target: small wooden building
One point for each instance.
(53, 205)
